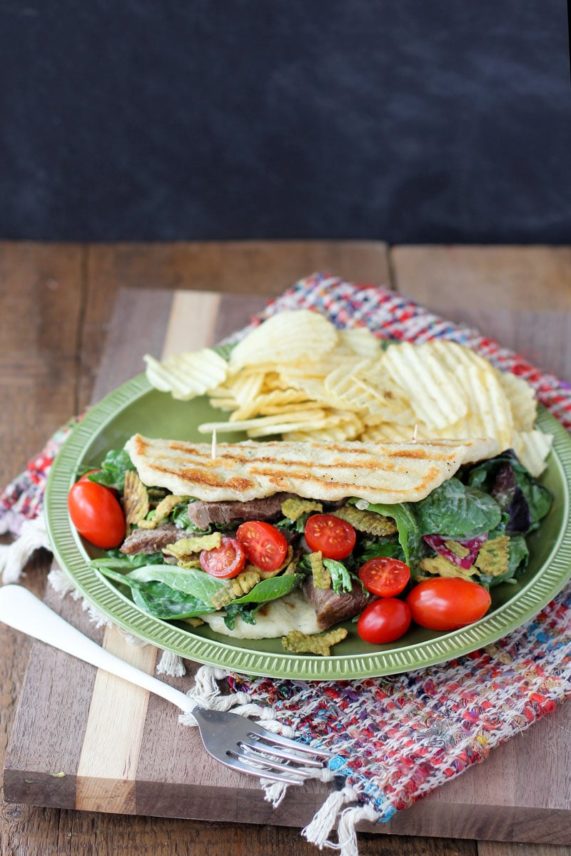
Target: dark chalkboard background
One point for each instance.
(441, 120)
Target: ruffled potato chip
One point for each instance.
(187, 375)
(361, 341)
(521, 397)
(532, 448)
(287, 337)
(433, 391)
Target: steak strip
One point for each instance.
(205, 514)
(151, 540)
(332, 608)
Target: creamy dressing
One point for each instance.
(274, 619)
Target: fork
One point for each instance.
(231, 739)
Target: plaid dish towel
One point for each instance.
(395, 739)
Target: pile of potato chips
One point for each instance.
(296, 375)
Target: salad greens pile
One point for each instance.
(473, 526)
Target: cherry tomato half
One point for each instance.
(384, 577)
(225, 561)
(330, 535)
(265, 546)
(96, 514)
(448, 603)
(384, 621)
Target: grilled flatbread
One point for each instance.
(376, 472)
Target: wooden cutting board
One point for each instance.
(83, 739)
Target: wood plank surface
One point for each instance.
(520, 296)
(28, 830)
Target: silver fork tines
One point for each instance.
(278, 740)
(250, 755)
(262, 746)
(233, 761)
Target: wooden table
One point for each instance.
(55, 302)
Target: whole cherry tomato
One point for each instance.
(225, 561)
(384, 621)
(333, 537)
(384, 576)
(448, 603)
(96, 514)
(265, 546)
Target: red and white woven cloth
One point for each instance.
(397, 738)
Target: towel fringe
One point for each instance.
(171, 664)
(14, 557)
(318, 830)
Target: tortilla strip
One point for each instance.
(377, 472)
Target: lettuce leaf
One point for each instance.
(113, 468)
(409, 534)
(457, 511)
(158, 599)
(270, 589)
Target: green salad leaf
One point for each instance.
(123, 562)
(270, 589)
(187, 580)
(239, 610)
(378, 549)
(113, 468)
(409, 534)
(457, 511)
(158, 599)
(340, 577)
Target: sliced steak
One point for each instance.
(332, 608)
(151, 540)
(205, 514)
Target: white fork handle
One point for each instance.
(23, 611)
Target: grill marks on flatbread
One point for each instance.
(377, 472)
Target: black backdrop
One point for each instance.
(441, 120)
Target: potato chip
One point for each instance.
(452, 355)
(434, 392)
(490, 413)
(187, 375)
(263, 422)
(271, 403)
(161, 512)
(245, 388)
(521, 397)
(494, 557)
(135, 498)
(287, 337)
(388, 432)
(532, 448)
(335, 428)
(361, 341)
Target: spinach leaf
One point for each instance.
(239, 610)
(457, 511)
(187, 580)
(113, 468)
(376, 549)
(340, 578)
(270, 589)
(523, 499)
(158, 599)
(519, 554)
(162, 601)
(294, 525)
(408, 531)
(121, 561)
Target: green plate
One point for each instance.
(135, 407)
